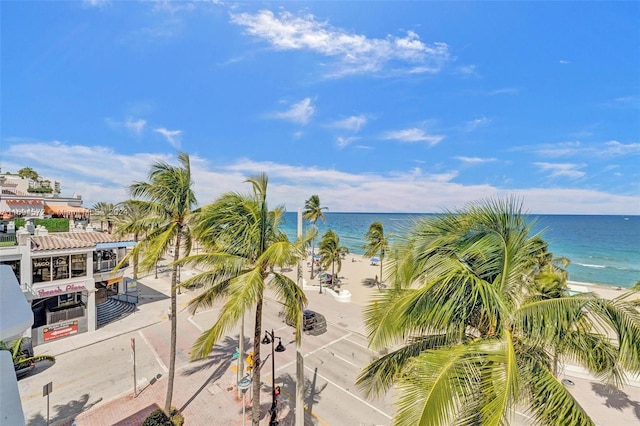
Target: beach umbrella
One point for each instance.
(324, 276)
(374, 260)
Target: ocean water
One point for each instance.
(603, 250)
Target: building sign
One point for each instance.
(61, 329)
(56, 290)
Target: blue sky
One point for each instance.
(374, 106)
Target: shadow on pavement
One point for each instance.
(64, 414)
(311, 396)
(138, 417)
(615, 398)
(222, 356)
(148, 294)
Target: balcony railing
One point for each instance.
(65, 314)
(8, 240)
(104, 265)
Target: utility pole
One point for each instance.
(299, 357)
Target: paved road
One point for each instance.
(98, 373)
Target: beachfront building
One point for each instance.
(66, 276)
(24, 197)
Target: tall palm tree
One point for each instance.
(168, 199)
(312, 212)
(331, 253)
(377, 244)
(133, 220)
(242, 246)
(475, 342)
(104, 212)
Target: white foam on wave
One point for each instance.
(587, 265)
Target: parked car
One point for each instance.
(308, 320)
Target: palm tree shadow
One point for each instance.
(222, 357)
(615, 398)
(371, 283)
(286, 402)
(65, 413)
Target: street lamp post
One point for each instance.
(270, 338)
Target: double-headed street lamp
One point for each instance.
(270, 338)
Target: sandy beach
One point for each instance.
(358, 276)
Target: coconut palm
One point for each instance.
(377, 244)
(475, 340)
(242, 246)
(168, 200)
(104, 212)
(22, 359)
(331, 253)
(133, 220)
(312, 212)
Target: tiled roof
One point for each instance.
(71, 240)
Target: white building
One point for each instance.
(64, 276)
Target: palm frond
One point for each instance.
(242, 293)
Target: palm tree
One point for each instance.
(243, 245)
(23, 360)
(133, 220)
(312, 212)
(104, 212)
(331, 253)
(168, 199)
(475, 340)
(377, 243)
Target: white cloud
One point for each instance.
(564, 62)
(561, 149)
(557, 170)
(353, 123)
(474, 124)
(172, 136)
(413, 135)
(615, 148)
(344, 141)
(96, 173)
(355, 53)
(96, 3)
(475, 160)
(136, 126)
(300, 112)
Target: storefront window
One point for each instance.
(69, 299)
(15, 266)
(78, 265)
(60, 267)
(41, 267)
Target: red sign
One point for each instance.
(61, 329)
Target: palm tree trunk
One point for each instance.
(255, 408)
(174, 326)
(312, 257)
(380, 282)
(135, 259)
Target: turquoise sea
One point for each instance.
(603, 250)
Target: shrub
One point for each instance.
(159, 418)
